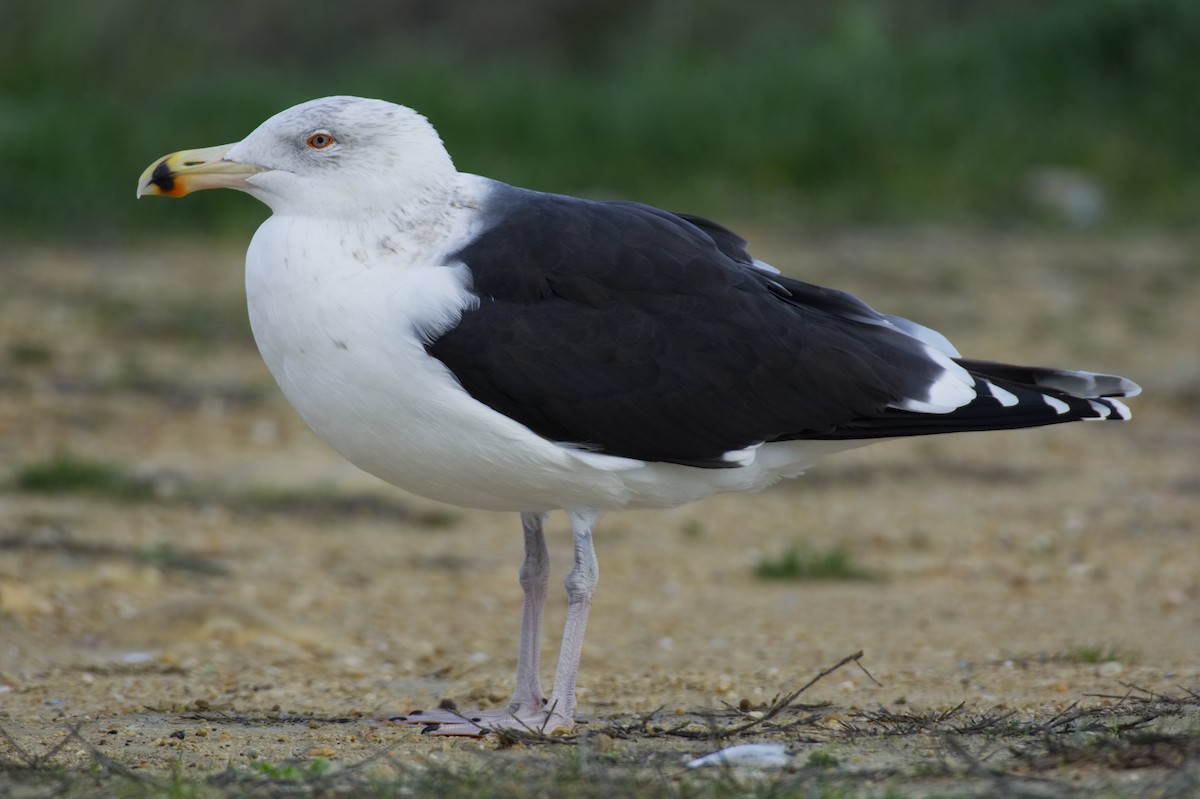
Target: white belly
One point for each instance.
(344, 341)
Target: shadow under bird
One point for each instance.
(494, 347)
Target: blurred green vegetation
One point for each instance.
(818, 112)
(801, 563)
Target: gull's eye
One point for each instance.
(320, 140)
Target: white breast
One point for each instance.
(344, 339)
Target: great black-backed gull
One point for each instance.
(494, 347)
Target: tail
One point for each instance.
(1006, 397)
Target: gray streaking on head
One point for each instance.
(499, 348)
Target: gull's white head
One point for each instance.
(332, 157)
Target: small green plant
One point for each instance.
(67, 473)
(170, 557)
(819, 759)
(437, 519)
(801, 563)
(29, 353)
(293, 772)
(1096, 653)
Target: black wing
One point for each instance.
(636, 332)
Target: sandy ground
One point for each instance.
(999, 557)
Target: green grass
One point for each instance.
(1083, 654)
(67, 473)
(824, 111)
(1097, 653)
(293, 772)
(562, 775)
(802, 563)
(29, 354)
(820, 759)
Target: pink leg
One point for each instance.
(580, 584)
(535, 580)
(528, 709)
(525, 707)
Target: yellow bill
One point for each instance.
(192, 170)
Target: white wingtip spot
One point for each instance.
(1109, 409)
(1058, 405)
(1006, 398)
(951, 390)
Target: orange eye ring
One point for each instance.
(320, 140)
